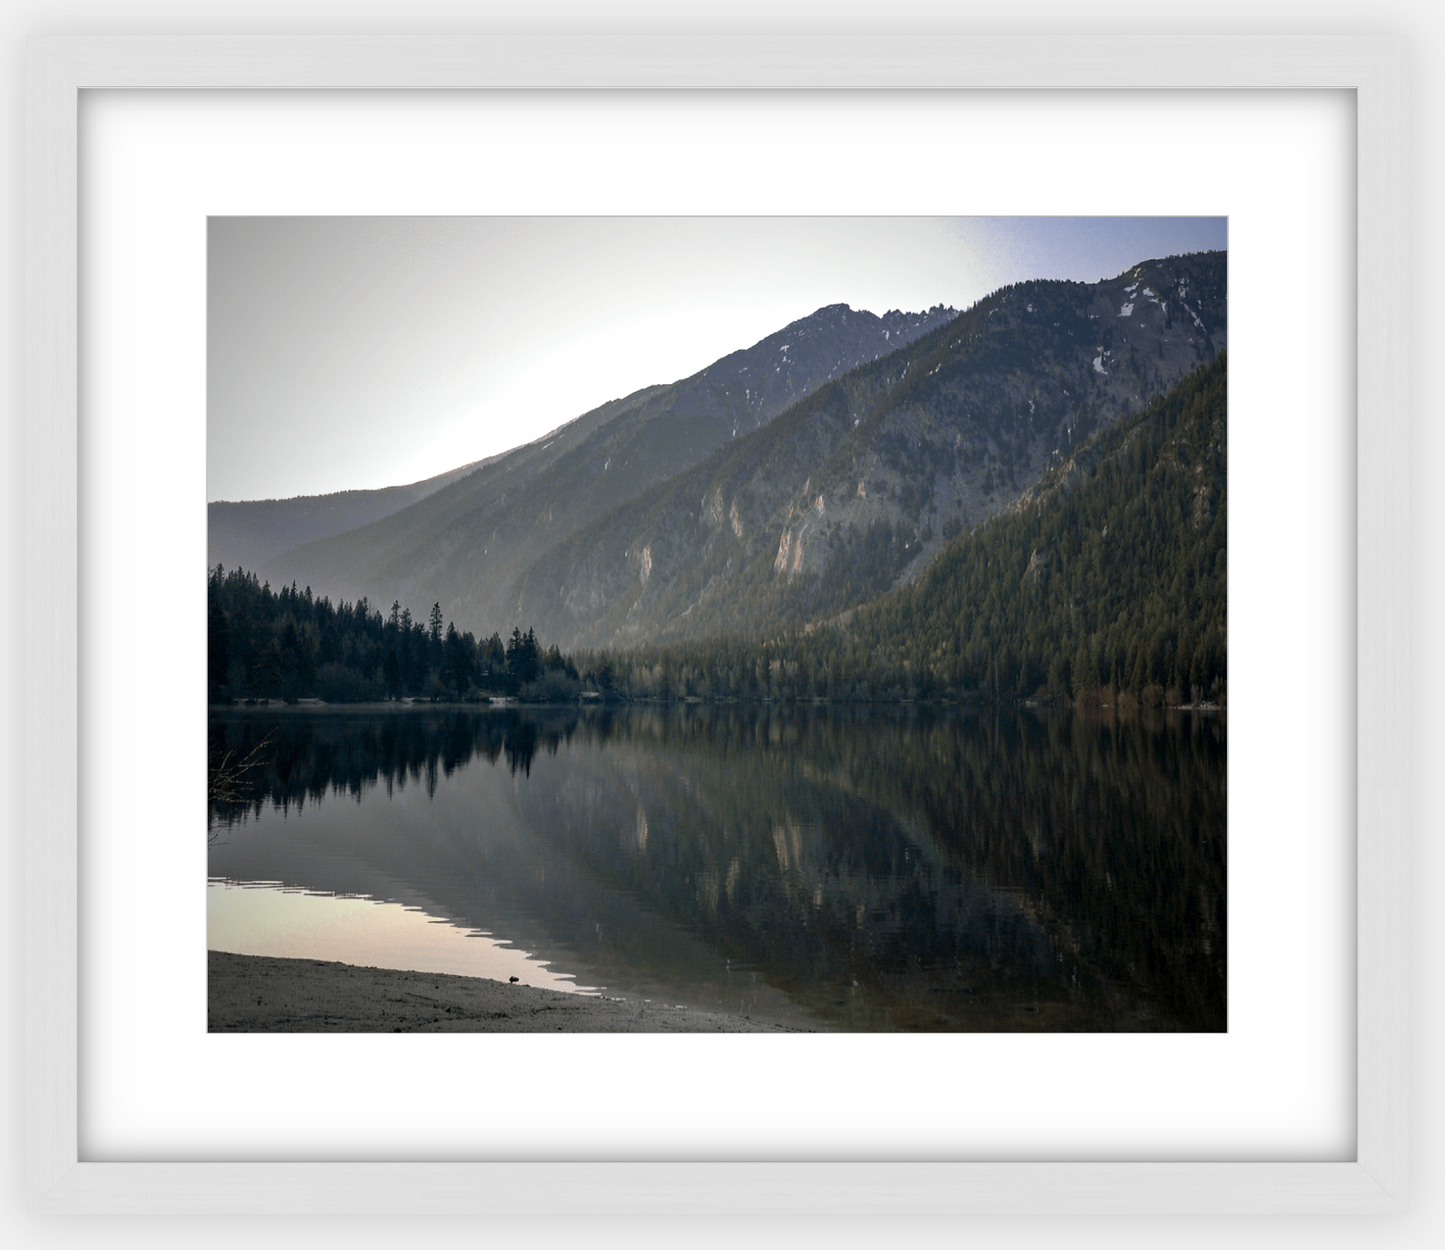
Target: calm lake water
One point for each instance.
(845, 868)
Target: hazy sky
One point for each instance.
(362, 352)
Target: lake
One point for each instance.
(852, 868)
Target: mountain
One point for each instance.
(856, 489)
(1107, 580)
(251, 532)
(466, 544)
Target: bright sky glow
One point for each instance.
(361, 352)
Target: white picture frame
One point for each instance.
(59, 1180)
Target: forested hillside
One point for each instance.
(1107, 579)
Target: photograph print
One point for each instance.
(717, 624)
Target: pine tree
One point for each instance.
(218, 652)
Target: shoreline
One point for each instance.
(264, 994)
(256, 707)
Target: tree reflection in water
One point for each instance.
(883, 868)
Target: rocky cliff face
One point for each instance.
(856, 488)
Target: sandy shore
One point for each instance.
(257, 994)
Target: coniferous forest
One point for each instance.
(290, 645)
(1106, 581)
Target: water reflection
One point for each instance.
(263, 918)
(857, 868)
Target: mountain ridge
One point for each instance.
(856, 487)
(466, 543)
(251, 532)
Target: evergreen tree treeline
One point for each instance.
(290, 645)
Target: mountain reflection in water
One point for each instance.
(854, 868)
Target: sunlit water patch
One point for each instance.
(263, 918)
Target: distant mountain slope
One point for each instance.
(247, 534)
(856, 488)
(465, 545)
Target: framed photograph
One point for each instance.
(135, 144)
